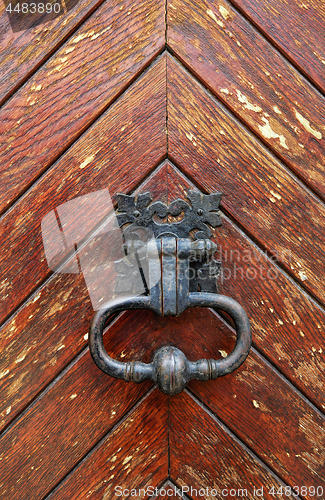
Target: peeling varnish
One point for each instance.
(224, 354)
(223, 11)
(87, 161)
(302, 275)
(4, 373)
(243, 99)
(269, 133)
(306, 124)
(274, 197)
(214, 17)
(191, 138)
(127, 459)
(73, 396)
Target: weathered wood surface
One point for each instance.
(24, 51)
(248, 74)
(203, 454)
(212, 148)
(133, 456)
(51, 328)
(66, 437)
(72, 416)
(118, 42)
(296, 28)
(255, 402)
(288, 326)
(169, 490)
(130, 135)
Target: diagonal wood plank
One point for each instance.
(208, 460)
(82, 79)
(134, 453)
(24, 51)
(295, 28)
(255, 401)
(83, 401)
(171, 491)
(254, 80)
(130, 462)
(288, 327)
(212, 147)
(131, 133)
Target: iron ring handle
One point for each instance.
(170, 369)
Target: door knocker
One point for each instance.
(168, 267)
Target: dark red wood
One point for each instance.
(213, 149)
(117, 45)
(288, 327)
(130, 135)
(205, 456)
(58, 431)
(82, 432)
(296, 28)
(270, 96)
(24, 51)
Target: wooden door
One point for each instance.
(136, 96)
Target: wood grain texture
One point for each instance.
(288, 327)
(130, 135)
(82, 78)
(22, 52)
(133, 457)
(255, 402)
(205, 456)
(169, 490)
(232, 58)
(214, 149)
(296, 28)
(51, 328)
(71, 417)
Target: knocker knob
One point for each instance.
(171, 370)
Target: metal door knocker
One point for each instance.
(167, 269)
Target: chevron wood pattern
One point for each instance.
(166, 96)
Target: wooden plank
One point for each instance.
(117, 45)
(295, 28)
(269, 404)
(248, 74)
(208, 460)
(24, 51)
(133, 457)
(288, 327)
(51, 328)
(131, 134)
(61, 428)
(271, 204)
(255, 402)
(169, 490)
